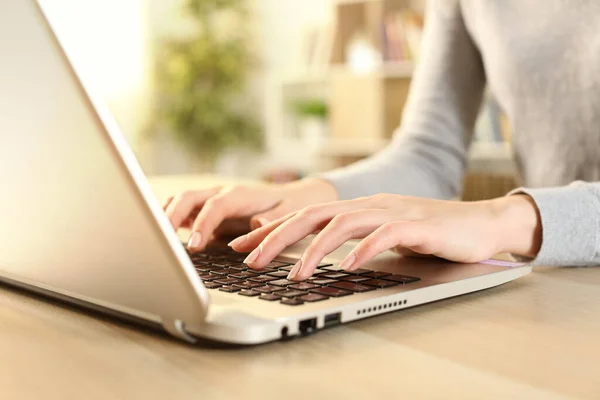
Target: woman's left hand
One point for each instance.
(456, 231)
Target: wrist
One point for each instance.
(313, 190)
(518, 225)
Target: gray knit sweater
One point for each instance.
(541, 60)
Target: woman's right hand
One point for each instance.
(235, 210)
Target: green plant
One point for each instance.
(201, 78)
(307, 108)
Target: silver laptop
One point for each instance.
(79, 222)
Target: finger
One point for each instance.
(343, 227)
(264, 218)
(166, 203)
(214, 212)
(305, 222)
(251, 240)
(415, 236)
(183, 205)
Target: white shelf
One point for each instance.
(303, 78)
(352, 147)
(321, 77)
(491, 158)
(490, 151)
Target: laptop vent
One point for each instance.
(381, 307)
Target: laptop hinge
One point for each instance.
(176, 328)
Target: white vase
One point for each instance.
(313, 132)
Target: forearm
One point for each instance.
(427, 157)
(408, 166)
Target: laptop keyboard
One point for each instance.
(223, 269)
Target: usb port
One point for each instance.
(307, 326)
(333, 319)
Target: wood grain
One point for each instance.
(538, 337)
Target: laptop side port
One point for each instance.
(307, 326)
(333, 319)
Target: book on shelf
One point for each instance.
(402, 33)
(317, 47)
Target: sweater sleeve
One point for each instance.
(427, 156)
(570, 218)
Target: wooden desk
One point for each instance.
(538, 337)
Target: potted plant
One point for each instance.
(312, 115)
(200, 79)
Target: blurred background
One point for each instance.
(266, 89)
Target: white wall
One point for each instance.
(107, 38)
(114, 38)
(278, 28)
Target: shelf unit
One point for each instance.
(366, 108)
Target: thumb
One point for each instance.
(262, 219)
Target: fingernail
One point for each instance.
(238, 241)
(195, 240)
(259, 222)
(262, 221)
(253, 256)
(295, 270)
(347, 263)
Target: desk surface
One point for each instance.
(538, 337)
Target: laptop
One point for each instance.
(80, 223)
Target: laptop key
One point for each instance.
(238, 267)
(377, 274)
(211, 268)
(200, 262)
(278, 264)
(292, 302)
(322, 281)
(353, 287)
(282, 282)
(404, 279)
(224, 271)
(249, 293)
(229, 289)
(331, 291)
(287, 268)
(303, 286)
(354, 278)
(333, 275)
(242, 275)
(208, 277)
(262, 279)
(220, 264)
(199, 256)
(312, 297)
(291, 293)
(380, 283)
(360, 271)
(268, 289)
(227, 281)
(247, 285)
(332, 268)
(269, 297)
(279, 274)
(212, 285)
(319, 272)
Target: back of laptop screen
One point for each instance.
(70, 216)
